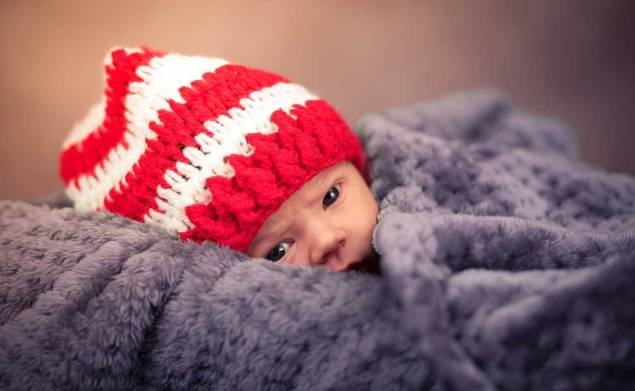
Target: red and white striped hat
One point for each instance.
(204, 148)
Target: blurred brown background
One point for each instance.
(574, 60)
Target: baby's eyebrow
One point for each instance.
(260, 240)
(267, 236)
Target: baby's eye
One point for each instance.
(331, 195)
(278, 252)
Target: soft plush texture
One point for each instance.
(507, 264)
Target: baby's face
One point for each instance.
(328, 223)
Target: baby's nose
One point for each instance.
(325, 244)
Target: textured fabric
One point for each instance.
(206, 149)
(507, 264)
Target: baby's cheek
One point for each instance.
(366, 225)
(373, 211)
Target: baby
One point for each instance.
(214, 151)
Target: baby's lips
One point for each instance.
(354, 265)
(359, 266)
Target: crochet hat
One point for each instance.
(204, 148)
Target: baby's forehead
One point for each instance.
(311, 193)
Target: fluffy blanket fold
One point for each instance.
(508, 264)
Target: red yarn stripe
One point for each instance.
(281, 163)
(206, 99)
(84, 157)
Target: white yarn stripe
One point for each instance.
(187, 185)
(87, 125)
(96, 113)
(143, 102)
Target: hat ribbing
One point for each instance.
(205, 148)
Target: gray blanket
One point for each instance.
(507, 264)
